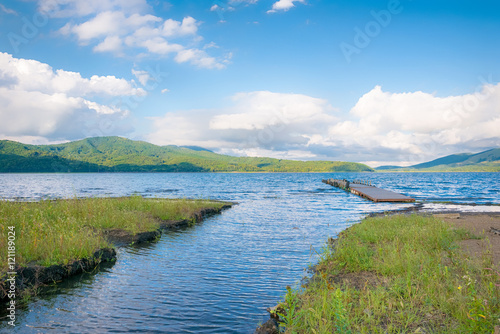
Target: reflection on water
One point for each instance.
(219, 276)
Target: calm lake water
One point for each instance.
(218, 276)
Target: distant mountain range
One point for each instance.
(116, 154)
(487, 161)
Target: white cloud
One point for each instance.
(249, 2)
(163, 91)
(142, 76)
(221, 7)
(35, 140)
(258, 122)
(104, 24)
(109, 44)
(184, 128)
(109, 23)
(258, 152)
(31, 113)
(420, 126)
(156, 45)
(199, 58)
(258, 110)
(210, 45)
(37, 101)
(284, 5)
(382, 127)
(81, 8)
(117, 32)
(7, 10)
(31, 75)
(189, 26)
(226, 7)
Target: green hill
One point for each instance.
(116, 154)
(448, 160)
(487, 161)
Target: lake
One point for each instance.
(220, 275)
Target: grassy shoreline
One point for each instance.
(397, 274)
(57, 231)
(66, 233)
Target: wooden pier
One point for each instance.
(366, 190)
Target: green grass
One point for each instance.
(411, 277)
(55, 232)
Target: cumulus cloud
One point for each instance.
(37, 101)
(382, 128)
(199, 58)
(257, 122)
(110, 44)
(259, 110)
(125, 28)
(31, 75)
(419, 126)
(283, 5)
(188, 26)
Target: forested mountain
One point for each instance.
(487, 161)
(116, 154)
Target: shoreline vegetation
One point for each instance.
(400, 274)
(55, 239)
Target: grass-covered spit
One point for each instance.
(58, 231)
(397, 274)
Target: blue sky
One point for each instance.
(379, 82)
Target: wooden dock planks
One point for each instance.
(370, 192)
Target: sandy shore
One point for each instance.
(484, 225)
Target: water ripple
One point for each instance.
(219, 276)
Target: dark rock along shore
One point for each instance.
(33, 276)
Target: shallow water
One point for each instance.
(218, 276)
